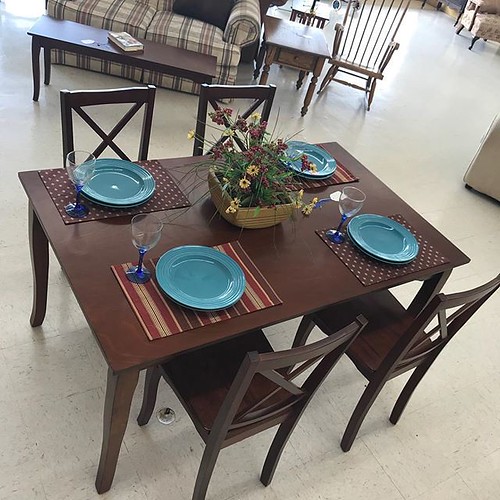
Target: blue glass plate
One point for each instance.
(200, 277)
(119, 183)
(324, 162)
(377, 258)
(383, 238)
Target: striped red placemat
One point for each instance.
(161, 317)
(167, 194)
(370, 271)
(340, 176)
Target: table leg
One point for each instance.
(300, 80)
(35, 66)
(428, 290)
(310, 91)
(46, 65)
(119, 391)
(39, 250)
(270, 53)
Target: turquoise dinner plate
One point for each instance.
(383, 238)
(119, 183)
(324, 162)
(200, 277)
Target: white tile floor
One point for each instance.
(427, 119)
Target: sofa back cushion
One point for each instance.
(214, 12)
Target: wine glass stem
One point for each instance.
(78, 191)
(141, 259)
(342, 220)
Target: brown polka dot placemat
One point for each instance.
(340, 176)
(167, 194)
(370, 271)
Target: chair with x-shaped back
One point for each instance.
(240, 387)
(395, 341)
(76, 100)
(261, 97)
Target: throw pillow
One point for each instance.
(215, 12)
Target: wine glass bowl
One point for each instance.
(80, 166)
(350, 203)
(146, 233)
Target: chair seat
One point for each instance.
(387, 322)
(202, 378)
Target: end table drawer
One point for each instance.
(297, 60)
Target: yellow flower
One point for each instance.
(252, 170)
(313, 167)
(230, 210)
(244, 183)
(235, 202)
(255, 116)
(229, 132)
(314, 200)
(307, 209)
(190, 135)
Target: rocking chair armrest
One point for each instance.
(339, 31)
(393, 46)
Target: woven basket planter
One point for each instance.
(249, 218)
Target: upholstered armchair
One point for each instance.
(482, 19)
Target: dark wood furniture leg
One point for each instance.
(269, 58)
(300, 80)
(429, 288)
(153, 376)
(46, 65)
(35, 65)
(310, 90)
(119, 392)
(259, 59)
(39, 250)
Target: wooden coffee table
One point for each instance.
(295, 45)
(51, 33)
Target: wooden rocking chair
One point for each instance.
(364, 42)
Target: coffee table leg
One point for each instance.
(35, 65)
(46, 65)
(119, 391)
(310, 90)
(270, 53)
(39, 249)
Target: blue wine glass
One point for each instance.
(146, 233)
(80, 166)
(350, 203)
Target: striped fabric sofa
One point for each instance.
(154, 20)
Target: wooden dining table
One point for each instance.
(300, 267)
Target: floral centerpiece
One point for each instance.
(248, 179)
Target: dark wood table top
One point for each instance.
(301, 268)
(65, 34)
(295, 36)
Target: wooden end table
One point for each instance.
(51, 33)
(294, 45)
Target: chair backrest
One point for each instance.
(275, 371)
(307, 18)
(76, 100)
(260, 95)
(420, 343)
(366, 36)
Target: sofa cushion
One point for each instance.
(215, 12)
(113, 15)
(190, 34)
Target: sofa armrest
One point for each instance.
(243, 25)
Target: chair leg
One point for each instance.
(364, 404)
(277, 446)
(474, 40)
(328, 78)
(153, 376)
(205, 471)
(371, 93)
(305, 328)
(459, 29)
(410, 386)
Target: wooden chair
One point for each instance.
(395, 341)
(364, 43)
(76, 100)
(261, 95)
(241, 387)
